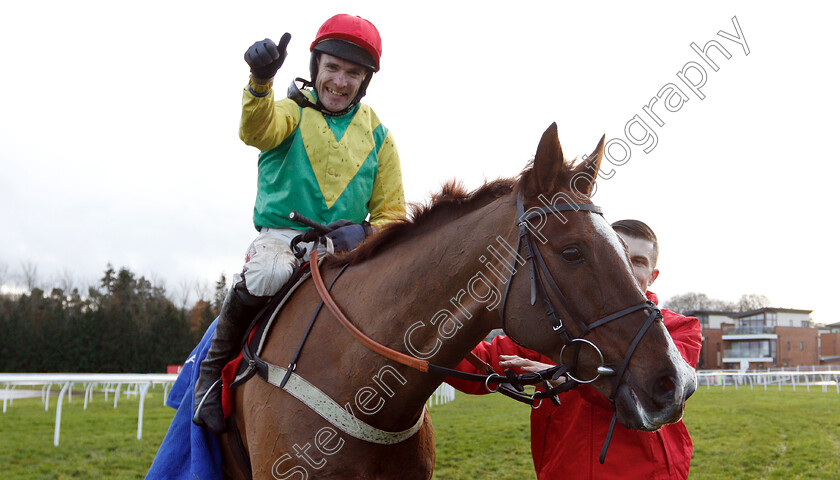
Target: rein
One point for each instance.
(416, 363)
(370, 343)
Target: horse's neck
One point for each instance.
(439, 294)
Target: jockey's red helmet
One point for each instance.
(350, 38)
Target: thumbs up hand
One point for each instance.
(265, 57)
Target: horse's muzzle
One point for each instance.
(663, 403)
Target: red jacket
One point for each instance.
(566, 441)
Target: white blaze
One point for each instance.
(606, 231)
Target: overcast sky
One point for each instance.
(119, 121)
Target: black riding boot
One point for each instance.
(236, 315)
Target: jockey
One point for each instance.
(323, 154)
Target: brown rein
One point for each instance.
(370, 343)
(373, 345)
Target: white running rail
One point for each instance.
(129, 383)
(445, 393)
(817, 378)
(136, 383)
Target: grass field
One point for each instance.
(737, 435)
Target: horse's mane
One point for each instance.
(451, 202)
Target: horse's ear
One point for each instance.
(586, 172)
(597, 155)
(548, 163)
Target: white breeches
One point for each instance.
(269, 261)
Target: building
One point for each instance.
(765, 338)
(711, 319)
(830, 344)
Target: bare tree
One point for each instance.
(184, 293)
(202, 290)
(66, 281)
(29, 274)
(159, 284)
(693, 301)
(4, 273)
(753, 301)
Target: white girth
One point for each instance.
(331, 411)
(322, 404)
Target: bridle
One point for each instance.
(540, 276)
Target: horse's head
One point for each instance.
(585, 297)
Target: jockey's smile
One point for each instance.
(338, 82)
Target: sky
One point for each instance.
(119, 128)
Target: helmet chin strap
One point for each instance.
(297, 95)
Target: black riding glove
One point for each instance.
(265, 58)
(347, 235)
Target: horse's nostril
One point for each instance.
(665, 391)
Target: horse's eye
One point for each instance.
(571, 254)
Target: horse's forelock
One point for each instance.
(527, 184)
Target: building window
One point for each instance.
(753, 321)
(788, 346)
(752, 349)
(801, 345)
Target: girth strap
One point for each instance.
(333, 412)
(313, 397)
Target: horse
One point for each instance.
(434, 285)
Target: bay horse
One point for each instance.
(435, 285)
